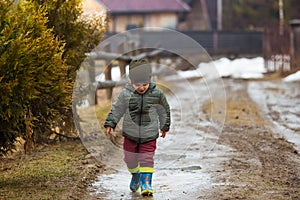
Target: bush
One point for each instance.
(33, 78)
(42, 44)
(80, 35)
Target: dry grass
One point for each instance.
(53, 172)
(102, 109)
(238, 112)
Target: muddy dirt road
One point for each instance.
(264, 164)
(204, 158)
(280, 103)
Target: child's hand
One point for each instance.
(163, 133)
(108, 130)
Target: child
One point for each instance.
(146, 110)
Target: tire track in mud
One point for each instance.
(264, 166)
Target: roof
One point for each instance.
(144, 6)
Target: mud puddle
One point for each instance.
(280, 103)
(184, 160)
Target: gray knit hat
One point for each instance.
(140, 71)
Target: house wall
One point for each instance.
(168, 20)
(118, 23)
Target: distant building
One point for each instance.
(183, 15)
(127, 14)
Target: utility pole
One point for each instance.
(219, 15)
(281, 17)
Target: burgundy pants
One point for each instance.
(138, 155)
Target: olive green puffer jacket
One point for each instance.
(144, 114)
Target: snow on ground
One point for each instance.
(241, 68)
(292, 77)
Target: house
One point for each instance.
(127, 14)
(183, 15)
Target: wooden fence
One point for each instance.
(134, 46)
(120, 60)
(282, 49)
(274, 47)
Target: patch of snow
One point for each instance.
(115, 74)
(239, 68)
(292, 77)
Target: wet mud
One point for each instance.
(280, 104)
(216, 149)
(264, 165)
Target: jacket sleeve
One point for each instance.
(164, 113)
(117, 111)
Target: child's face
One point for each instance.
(140, 88)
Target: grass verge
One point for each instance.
(57, 171)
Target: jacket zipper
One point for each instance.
(140, 122)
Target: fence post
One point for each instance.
(122, 63)
(91, 75)
(107, 73)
